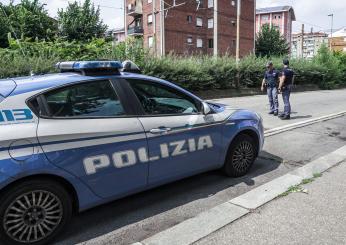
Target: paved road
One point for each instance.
(305, 105)
(137, 217)
(315, 218)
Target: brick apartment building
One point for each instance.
(280, 17)
(188, 28)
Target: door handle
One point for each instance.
(160, 130)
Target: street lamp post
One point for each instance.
(331, 30)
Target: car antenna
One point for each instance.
(16, 37)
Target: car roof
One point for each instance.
(43, 82)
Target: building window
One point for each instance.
(210, 3)
(265, 17)
(210, 23)
(279, 16)
(199, 43)
(199, 22)
(233, 3)
(150, 42)
(189, 18)
(211, 43)
(233, 44)
(234, 22)
(189, 40)
(150, 18)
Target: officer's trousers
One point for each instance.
(273, 99)
(286, 92)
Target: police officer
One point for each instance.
(271, 80)
(285, 87)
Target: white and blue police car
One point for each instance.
(98, 131)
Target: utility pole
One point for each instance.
(238, 31)
(162, 28)
(154, 26)
(331, 31)
(215, 27)
(302, 40)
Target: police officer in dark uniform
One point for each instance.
(285, 87)
(271, 80)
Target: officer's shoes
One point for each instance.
(286, 117)
(281, 115)
(271, 112)
(276, 113)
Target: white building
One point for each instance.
(311, 44)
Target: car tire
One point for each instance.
(241, 155)
(34, 212)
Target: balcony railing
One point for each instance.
(134, 10)
(135, 31)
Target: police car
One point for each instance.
(99, 131)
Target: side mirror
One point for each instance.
(205, 108)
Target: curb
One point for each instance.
(196, 228)
(292, 126)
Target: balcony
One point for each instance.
(135, 31)
(134, 10)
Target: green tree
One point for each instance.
(81, 22)
(269, 42)
(27, 19)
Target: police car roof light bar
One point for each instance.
(97, 67)
(88, 65)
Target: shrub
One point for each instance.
(194, 73)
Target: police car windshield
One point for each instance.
(1, 98)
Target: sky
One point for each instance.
(313, 13)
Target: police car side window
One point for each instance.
(157, 99)
(90, 99)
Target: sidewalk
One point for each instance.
(317, 217)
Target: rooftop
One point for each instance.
(276, 9)
(340, 33)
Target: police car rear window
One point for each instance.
(6, 87)
(85, 100)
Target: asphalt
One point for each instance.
(314, 216)
(140, 216)
(305, 105)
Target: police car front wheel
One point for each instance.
(241, 155)
(34, 212)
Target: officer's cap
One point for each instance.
(286, 62)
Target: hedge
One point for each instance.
(194, 73)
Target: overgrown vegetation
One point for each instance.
(81, 22)
(269, 42)
(327, 70)
(29, 19)
(32, 42)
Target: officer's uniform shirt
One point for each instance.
(288, 73)
(271, 78)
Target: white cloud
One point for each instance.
(313, 13)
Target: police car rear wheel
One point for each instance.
(34, 212)
(241, 155)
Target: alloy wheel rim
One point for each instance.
(33, 216)
(243, 156)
